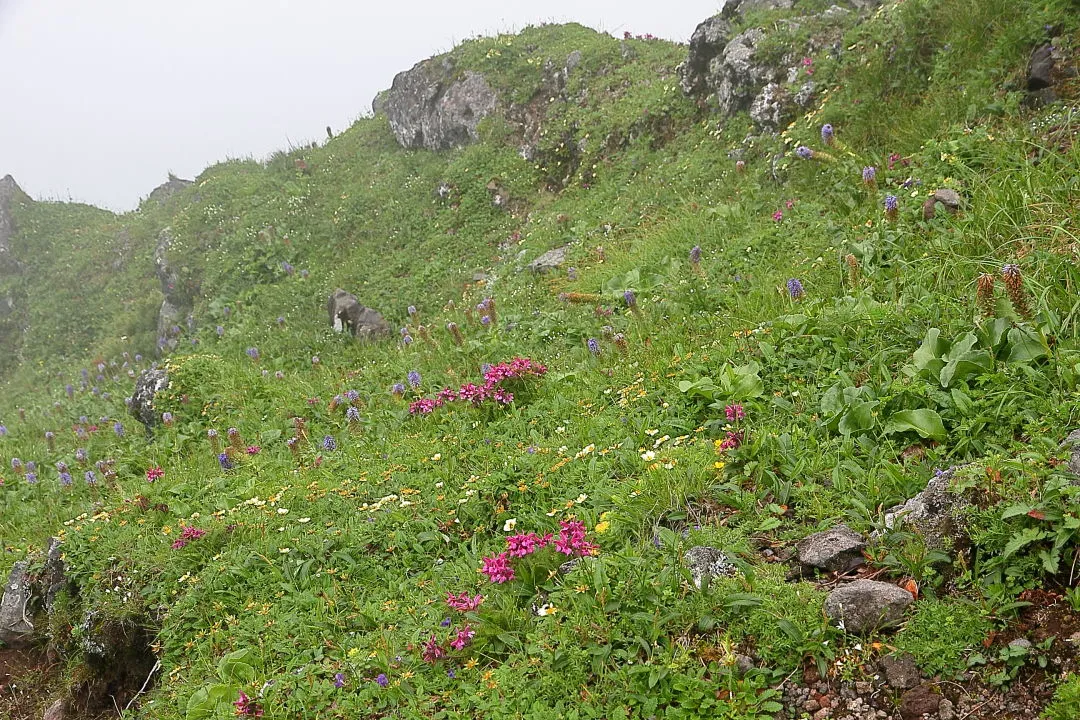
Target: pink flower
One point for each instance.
(731, 442)
(463, 637)
(252, 450)
(778, 215)
(523, 544)
(245, 706)
(187, 535)
(463, 602)
(433, 651)
(498, 569)
(154, 473)
(571, 540)
(734, 412)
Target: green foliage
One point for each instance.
(328, 562)
(1066, 702)
(941, 633)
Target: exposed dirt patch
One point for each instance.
(26, 677)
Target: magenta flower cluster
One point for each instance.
(187, 535)
(570, 541)
(491, 391)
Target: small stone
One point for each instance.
(901, 671)
(811, 705)
(946, 710)
(56, 711)
(863, 687)
(919, 701)
(706, 563)
(1021, 642)
(836, 550)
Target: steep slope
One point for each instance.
(868, 319)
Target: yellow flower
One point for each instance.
(546, 610)
(719, 464)
(602, 527)
(471, 663)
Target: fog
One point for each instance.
(101, 99)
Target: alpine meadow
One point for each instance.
(583, 377)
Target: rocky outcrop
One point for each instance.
(10, 193)
(176, 307)
(549, 261)
(931, 513)
(434, 107)
(731, 70)
(167, 189)
(346, 313)
(866, 605)
(15, 626)
(1072, 443)
(149, 383)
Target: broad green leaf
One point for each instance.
(859, 418)
(1021, 539)
(925, 422)
(1025, 345)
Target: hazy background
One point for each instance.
(99, 99)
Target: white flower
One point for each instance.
(284, 551)
(436, 457)
(283, 511)
(510, 524)
(546, 609)
(648, 456)
(304, 520)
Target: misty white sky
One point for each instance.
(99, 99)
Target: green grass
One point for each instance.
(318, 562)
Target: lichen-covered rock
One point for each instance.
(549, 261)
(706, 563)
(149, 383)
(15, 626)
(836, 550)
(931, 512)
(346, 313)
(866, 605)
(432, 107)
(54, 579)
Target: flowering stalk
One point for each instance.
(984, 295)
(852, 268)
(1014, 288)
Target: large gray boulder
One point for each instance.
(149, 383)
(1072, 442)
(15, 626)
(431, 106)
(836, 550)
(346, 313)
(866, 605)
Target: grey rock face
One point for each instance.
(149, 383)
(15, 627)
(706, 43)
(429, 107)
(9, 193)
(930, 512)
(706, 563)
(176, 307)
(548, 261)
(56, 711)
(346, 313)
(836, 550)
(866, 605)
(54, 578)
(167, 189)
(1041, 68)
(768, 108)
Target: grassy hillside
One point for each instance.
(733, 356)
